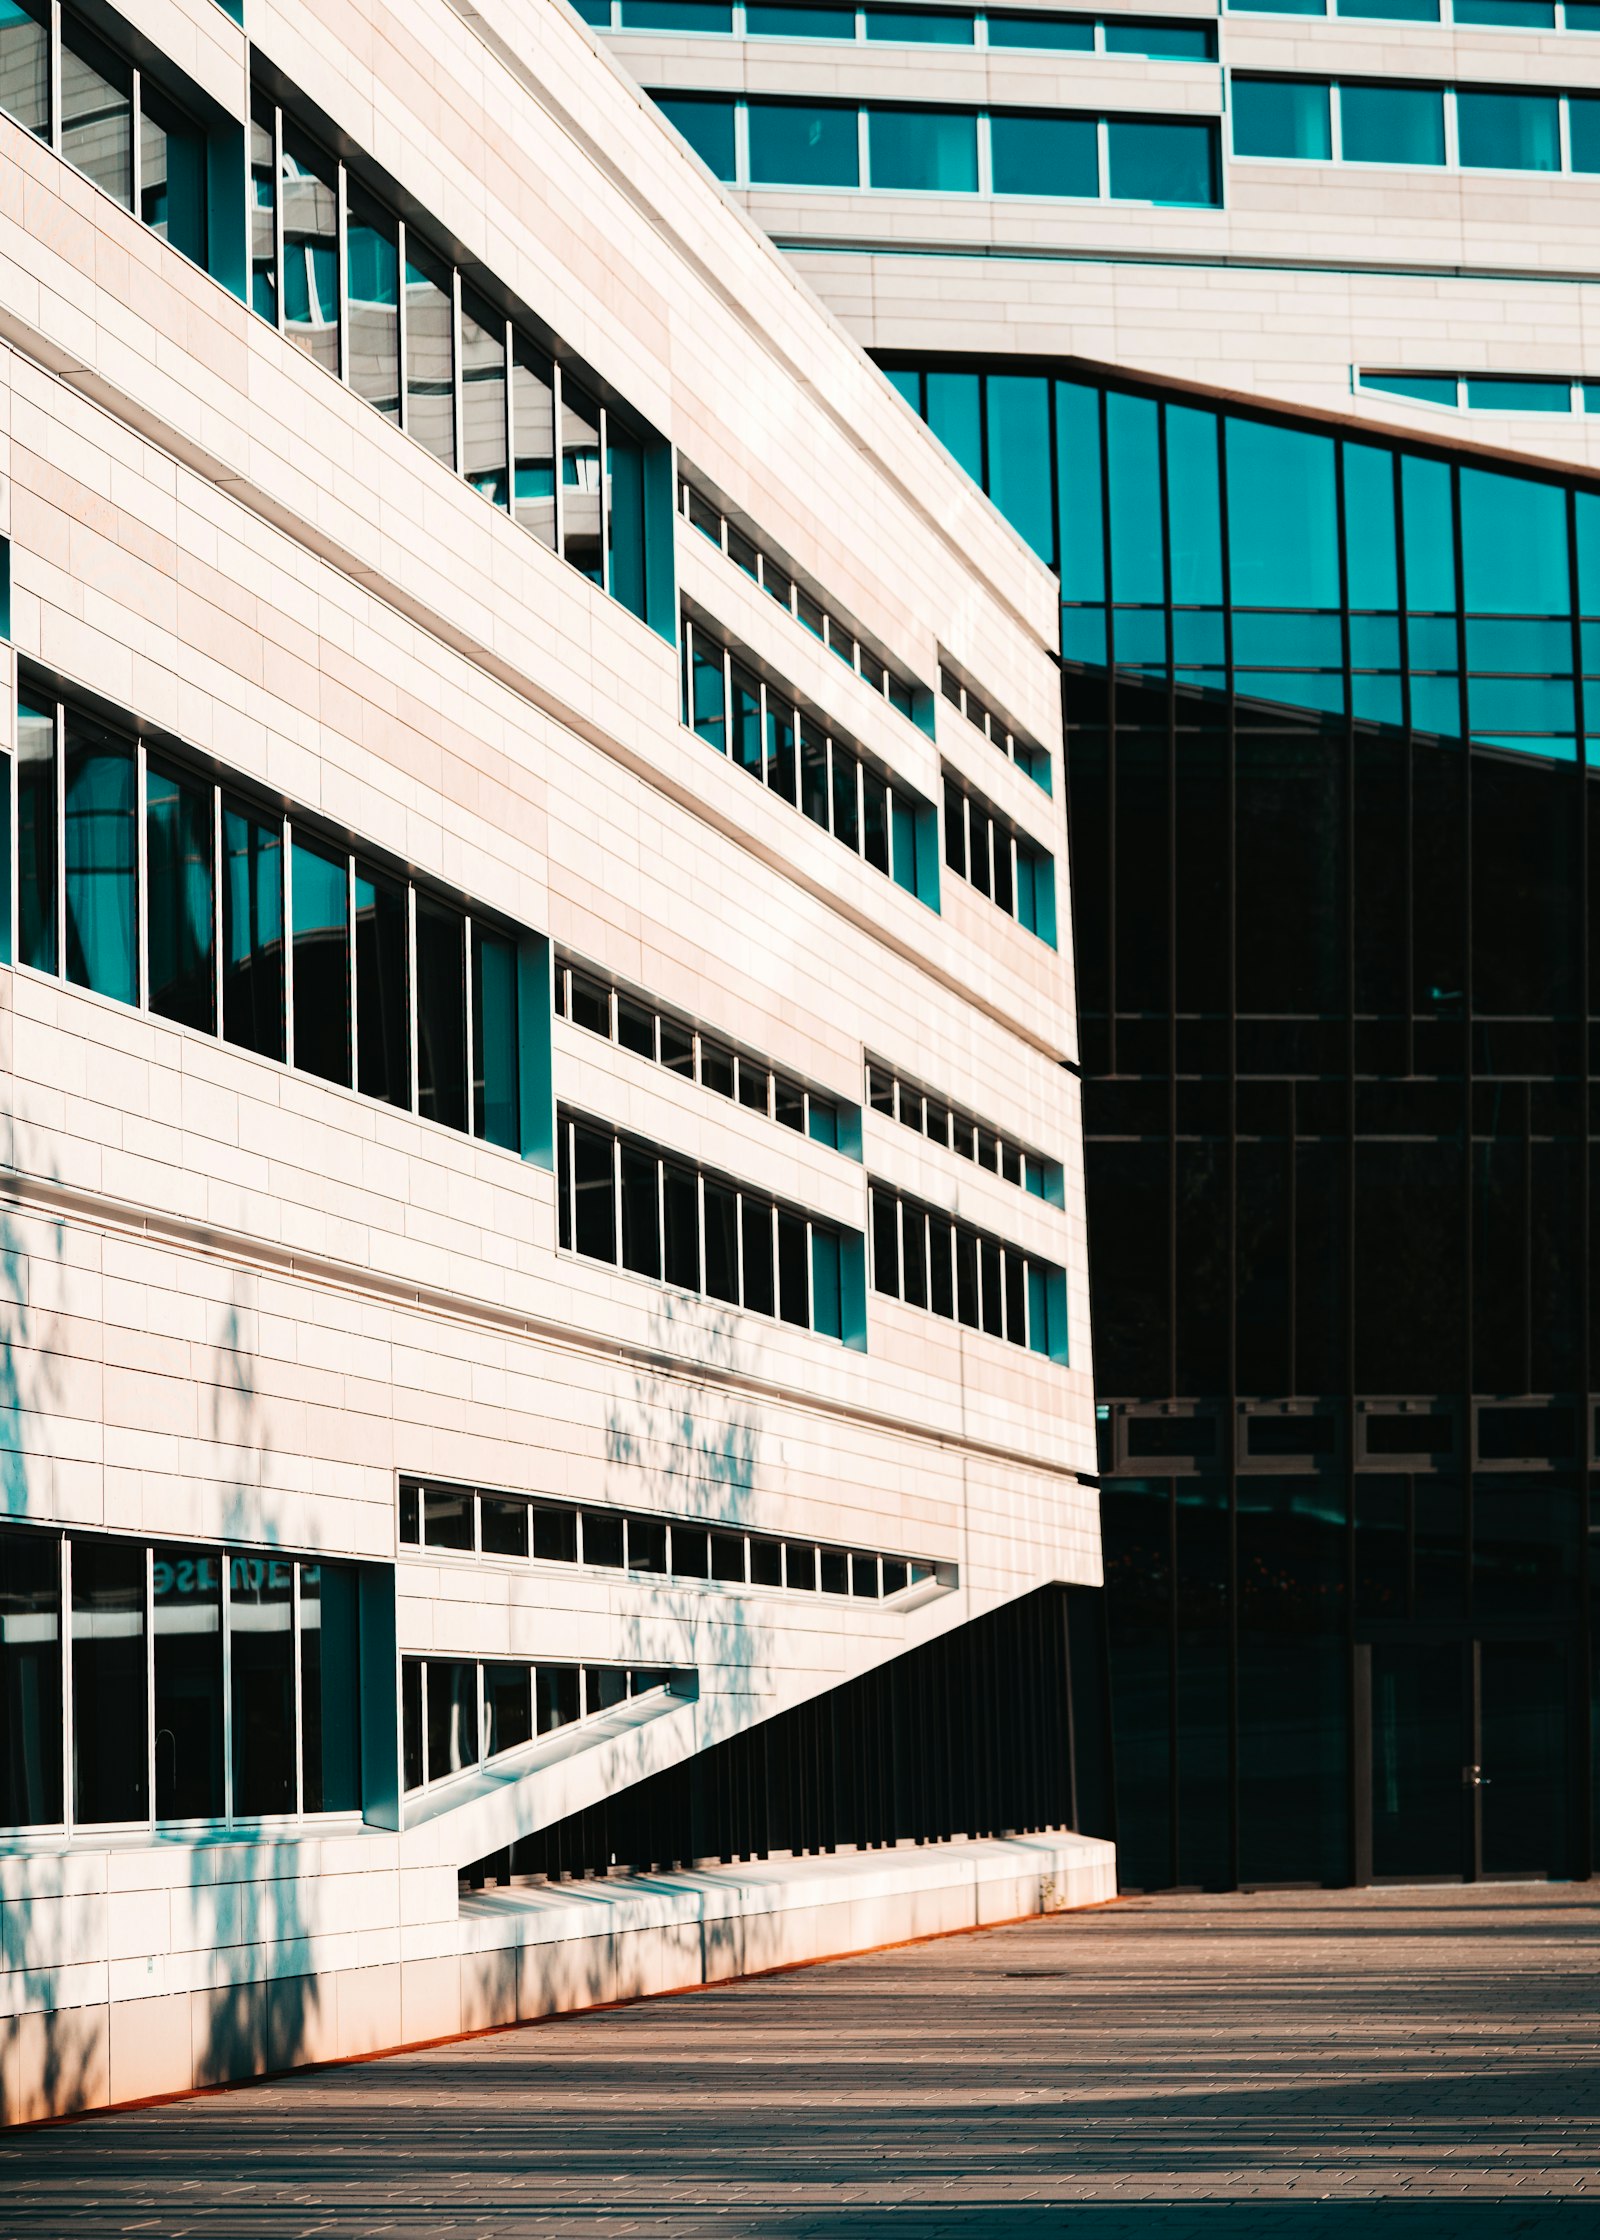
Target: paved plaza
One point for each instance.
(1405, 2063)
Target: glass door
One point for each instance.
(1421, 1727)
(1522, 1719)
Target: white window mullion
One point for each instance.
(61, 840)
(225, 1589)
(64, 1577)
(355, 1016)
(150, 1683)
(1102, 141)
(141, 875)
(466, 955)
(616, 1200)
(458, 383)
(559, 506)
(741, 143)
(1565, 126)
(511, 422)
(738, 1243)
(217, 871)
(605, 500)
(413, 1004)
(277, 211)
(1335, 123)
(55, 75)
(341, 291)
(12, 930)
(985, 152)
(700, 1192)
(863, 151)
(1452, 135)
(402, 322)
(288, 941)
(299, 1707)
(136, 153)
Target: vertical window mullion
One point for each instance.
(1564, 128)
(741, 143)
(1452, 135)
(412, 1025)
(150, 1685)
(616, 1201)
(55, 75)
(863, 151)
(811, 1286)
(287, 848)
(605, 502)
(1102, 147)
(700, 1193)
(558, 446)
(64, 1619)
(341, 289)
(466, 997)
(12, 826)
(299, 1707)
(352, 984)
(511, 421)
(985, 153)
(61, 840)
(277, 208)
(226, 1561)
(402, 324)
(135, 155)
(141, 876)
(1335, 122)
(458, 383)
(216, 893)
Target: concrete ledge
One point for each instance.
(516, 1956)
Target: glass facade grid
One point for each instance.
(1154, 38)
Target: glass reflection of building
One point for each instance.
(1329, 741)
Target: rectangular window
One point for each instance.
(452, 1703)
(97, 111)
(874, 820)
(594, 1195)
(1287, 118)
(1583, 132)
(441, 1013)
(502, 1525)
(1045, 155)
(319, 887)
(430, 353)
(923, 150)
(447, 1517)
(1173, 163)
(722, 1243)
(846, 798)
(1054, 34)
(25, 64)
(967, 1277)
(1391, 124)
(582, 532)
(647, 1545)
(782, 771)
(30, 1660)
(794, 1303)
(38, 837)
(411, 1722)
(626, 540)
(827, 1283)
(188, 1684)
(252, 933)
(716, 1067)
(483, 400)
(641, 1211)
(681, 1191)
(814, 773)
(310, 251)
(885, 1243)
(383, 1001)
(557, 1694)
(260, 1628)
(172, 174)
(914, 1254)
(508, 1701)
(676, 15)
(793, 144)
(762, 20)
(707, 124)
(330, 1688)
(533, 422)
(925, 27)
(109, 1778)
(604, 1539)
(101, 853)
(754, 1086)
(555, 1535)
(264, 213)
(747, 745)
(1508, 131)
(707, 687)
(496, 1103)
(941, 1278)
(178, 862)
(372, 283)
(1161, 42)
(755, 1221)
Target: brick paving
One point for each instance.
(1396, 2065)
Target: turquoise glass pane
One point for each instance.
(675, 15)
(179, 944)
(1436, 705)
(1139, 635)
(1429, 536)
(1162, 42)
(1133, 459)
(955, 416)
(1517, 15)
(763, 22)
(1499, 394)
(1521, 703)
(496, 1116)
(1588, 553)
(1082, 546)
(1432, 641)
(1044, 155)
(1509, 131)
(1421, 388)
(706, 125)
(101, 855)
(1197, 636)
(1194, 510)
(1083, 635)
(1392, 11)
(1514, 545)
(1391, 124)
(1323, 695)
(1061, 34)
(793, 145)
(1282, 517)
(1287, 641)
(909, 383)
(1283, 117)
(1170, 163)
(925, 27)
(1369, 527)
(1530, 648)
(595, 12)
(709, 710)
(827, 1305)
(1278, 7)
(1583, 15)
(1374, 641)
(1019, 456)
(923, 150)
(1583, 128)
(1376, 699)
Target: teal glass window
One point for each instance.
(310, 251)
(252, 932)
(187, 1669)
(1019, 456)
(1420, 388)
(747, 748)
(762, 21)
(793, 144)
(330, 1688)
(533, 437)
(917, 150)
(626, 540)
(1282, 519)
(483, 400)
(180, 948)
(1133, 465)
(97, 111)
(172, 175)
(1194, 506)
(261, 1640)
(1369, 528)
(707, 125)
(496, 1111)
(827, 1284)
(1517, 15)
(1282, 117)
(441, 1013)
(372, 280)
(1392, 11)
(1429, 515)
(676, 15)
(430, 352)
(383, 989)
(1509, 131)
(1583, 132)
(319, 887)
(38, 837)
(1082, 546)
(1391, 124)
(925, 27)
(708, 704)
(1499, 393)
(954, 412)
(1164, 162)
(1161, 42)
(1278, 7)
(264, 214)
(1513, 545)
(1054, 34)
(25, 63)
(582, 531)
(1044, 155)
(1582, 17)
(101, 856)
(595, 12)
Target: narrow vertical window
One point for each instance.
(252, 933)
(188, 1673)
(641, 1211)
(178, 863)
(814, 773)
(495, 1102)
(967, 1277)
(722, 1243)
(25, 64)
(452, 1717)
(483, 401)
(110, 1733)
(310, 251)
(581, 531)
(993, 1297)
(1016, 1299)
(707, 687)
(794, 1290)
(755, 1221)
(747, 746)
(508, 1696)
(330, 1688)
(681, 1192)
(372, 285)
(533, 426)
(594, 1194)
(955, 828)
(38, 837)
(264, 213)
(782, 771)
(383, 1001)
(875, 819)
(846, 807)
(885, 1244)
(827, 1284)
(625, 500)
(441, 1014)
(914, 1254)
(430, 353)
(97, 112)
(320, 890)
(172, 175)
(30, 1673)
(101, 850)
(411, 1722)
(941, 1280)
(260, 1628)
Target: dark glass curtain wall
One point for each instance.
(1332, 706)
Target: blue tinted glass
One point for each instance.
(1497, 394)
(1429, 539)
(1514, 545)
(1588, 553)
(920, 26)
(597, 12)
(1281, 117)
(1436, 704)
(101, 844)
(1423, 388)
(1083, 634)
(1133, 461)
(1282, 521)
(1369, 527)
(1063, 34)
(1583, 128)
(1374, 641)
(1287, 641)
(953, 415)
(1509, 131)
(1141, 637)
(1044, 155)
(1161, 162)
(1197, 640)
(675, 15)
(1391, 124)
(1522, 15)
(1392, 11)
(764, 22)
(1082, 548)
(1520, 703)
(924, 149)
(707, 126)
(909, 383)
(1591, 658)
(1431, 641)
(1166, 42)
(791, 145)
(1375, 699)
(1019, 455)
(1278, 7)
(1194, 509)
(1582, 17)
(1529, 648)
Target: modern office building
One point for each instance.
(544, 1313)
(1274, 331)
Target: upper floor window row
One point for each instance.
(983, 848)
(945, 1123)
(1155, 38)
(146, 879)
(790, 750)
(906, 150)
(365, 295)
(624, 1201)
(100, 110)
(1487, 392)
(1509, 15)
(805, 604)
(458, 1713)
(668, 1039)
(949, 1268)
(1034, 760)
(1381, 121)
